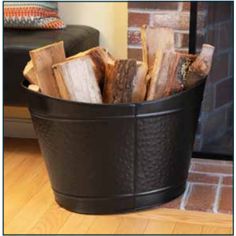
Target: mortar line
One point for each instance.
(210, 173)
(217, 195)
(185, 196)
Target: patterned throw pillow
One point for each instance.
(32, 15)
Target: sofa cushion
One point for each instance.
(17, 44)
(32, 15)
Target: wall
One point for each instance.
(215, 22)
(109, 18)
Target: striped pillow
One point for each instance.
(32, 15)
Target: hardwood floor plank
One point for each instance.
(185, 228)
(22, 171)
(133, 225)
(192, 217)
(31, 212)
(20, 193)
(51, 221)
(104, 225)
(159, 227)
(216, 230)
(77, 224)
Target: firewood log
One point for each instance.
(100, 58)
(125, 82)
(201, 67)
(155, 41)
(172, 73)
(163, 72)
(43, 58)
(34, 87)
(29, 73)
(178, 69)
(77, 81)
(140, 83)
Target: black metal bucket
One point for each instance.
(113, 158)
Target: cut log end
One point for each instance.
(34, 87)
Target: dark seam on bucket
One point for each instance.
(122, 195)
(161, 113)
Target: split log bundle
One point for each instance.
(201, 67)
(29, 73)
(77, 81)
(125, 82)
(43, 58)
(155, 42)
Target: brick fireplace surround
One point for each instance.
(215, 24)
(209, 188)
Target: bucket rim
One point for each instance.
(134, 104)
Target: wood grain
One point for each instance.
(29, 73)
(43, 58)
(30, 207)
(77, 81)
(155, 42)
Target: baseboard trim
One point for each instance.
(18, 128)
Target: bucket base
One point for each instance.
(117, 204)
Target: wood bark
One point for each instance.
(201, 67)
(43, 58)
(77, 78)
(29, 73)
(178, 69)
(155, 42)
(125, 82)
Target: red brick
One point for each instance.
(134, 37)
(225, 202)
(220, 67)
(173, 204)
(214, 126)
(186, 6)
(211, 168)
(211, 161)
(227, 180)
(154, 5)
(138, 19)
(200, 6)
(183, 40)
(202, 178)
(212, 36)
(219, 11)
(135, 53)
(226, 35)
(172, 20)
(224, 92)
(201, 198)
(230, 116)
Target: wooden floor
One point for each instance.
(29, 206)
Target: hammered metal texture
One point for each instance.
(88, 158)
(163, 151)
